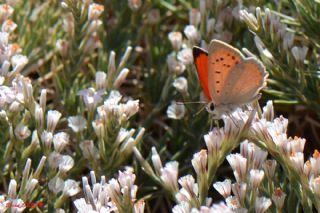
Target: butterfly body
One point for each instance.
(228, 79)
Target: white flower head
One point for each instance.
(88, 149)
(18, 62)
(176, 40)
(224, 188)
(239, 166)
(66, 163)
(181, 84)
(46, 139)
(56, 185)
(185, 56)
(71, 187)
(262, 204)
(5, 11)
(82, 205)
(169, 175)
(53, 117)
(278, 197)
(101, 80)
(77, 123)
(194, 17)
(22, 132)
(95, 10)
(199, 162)
(174, 65)
(91, 97)
(134, 4)
(176, 111)
(8, 26)
(121, 77)
(54, 159)
(60, 140)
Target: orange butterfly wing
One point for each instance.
(200, 57)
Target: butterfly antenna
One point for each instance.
(190, 102)
(197, 113)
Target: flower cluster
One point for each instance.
(116, 195)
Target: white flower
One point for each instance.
(98, 128)
(134, 4)
(89, 151)
(181, 84)
(183, 207)
(297, 159)
(199, 162)
(66, 163)
(269, 167)
(176, 40)
(224, 188)
(185, 56)
(240, 191)
(60, 140)
(91, 97)
(22, 132)
(176, 111)
(278, 198)
(169, 175)
(8, 26)
(262, 204)
(194, 17)
(131, 107)
(56, 185)
(82, 206)
(54, 159)
(121, 77)
(71, 188)
(5, 11)
(156, 161)
(53, 117)
(46, 139)
(189, 189)
(174, 65)
(101, 80)
(113, 99)
(124, 134)
(12, 191)
(239, 166)
(95, 10)
(126, 178)
(213, 141)
(233, 202)
(77, 123)
(299, 53)
(256, 177)
(192, 33)
(18, 62)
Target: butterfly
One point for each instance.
(228, 79)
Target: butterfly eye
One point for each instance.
(211, 107)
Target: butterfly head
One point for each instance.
(214, 110)
(217, 111)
